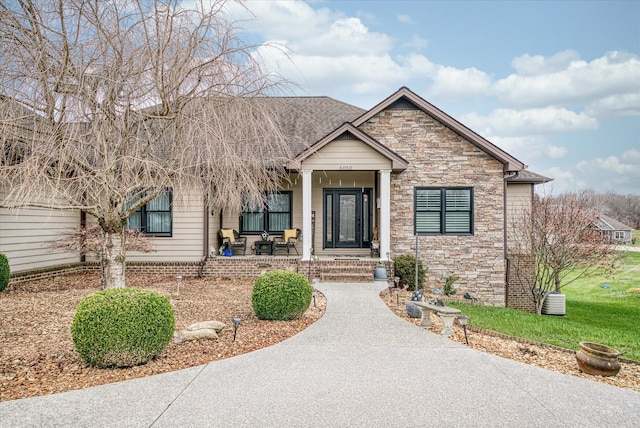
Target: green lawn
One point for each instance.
(610, 316)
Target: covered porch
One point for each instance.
(346, 195)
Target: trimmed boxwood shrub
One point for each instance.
(5, 272)
(281, 295)
(405, 267)
(122, 327)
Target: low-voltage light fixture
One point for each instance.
(462, 319)
(236, 324)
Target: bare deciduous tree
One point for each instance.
(559, 236)
(107, 103)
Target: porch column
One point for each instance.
(385, 214)
(307, 238)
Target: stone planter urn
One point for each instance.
(380, 273)
(597, 359)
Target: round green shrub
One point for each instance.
(5, 272)
(122, 327)
(404, 267)
(281, 295)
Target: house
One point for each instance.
(403, 172)
(615, 231)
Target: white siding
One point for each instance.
(351, 155)
(186, 242)
(518, 203)
(25, 233)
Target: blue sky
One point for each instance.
(554, 83)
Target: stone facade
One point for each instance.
(438, 156)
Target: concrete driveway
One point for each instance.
(359, 366)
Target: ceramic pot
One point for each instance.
(597, 359)
(380, 273)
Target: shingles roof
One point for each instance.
(611, 224)
(526, 176)
(306, 120)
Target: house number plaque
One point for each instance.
(346, 167)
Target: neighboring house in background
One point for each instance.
(402, 169)
(615, 231)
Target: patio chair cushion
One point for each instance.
(228, 234)
(290, 234)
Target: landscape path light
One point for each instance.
(236, 323)
(462, 319)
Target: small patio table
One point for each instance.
(264, 247)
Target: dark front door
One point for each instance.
(347, 218)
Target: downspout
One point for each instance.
(83, 224)
(205, 237)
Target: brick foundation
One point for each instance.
(520, 279)
(355, 270)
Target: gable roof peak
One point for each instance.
(509, 162)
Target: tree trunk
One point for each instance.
(113, 260)
(556, 279)
(538, 300)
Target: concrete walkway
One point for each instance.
(359, 365)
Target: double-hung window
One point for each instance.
(274, 215)
(443, 210)
(154, 218)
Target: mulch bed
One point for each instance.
(37, 356)
(537, 354)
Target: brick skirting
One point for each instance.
(356, 270)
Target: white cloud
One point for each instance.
(416, 42)
(616, 105)
(529, 149)
(504, 122)
(450, 82)
(565, 79)
(627, 164)
(405, 19)
(563, 181)
(617, 173)
(528, 65)
(309, 31)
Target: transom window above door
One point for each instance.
(274, 215)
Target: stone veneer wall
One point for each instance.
(439, 157)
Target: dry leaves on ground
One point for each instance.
(547, 357)
(37, 356)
